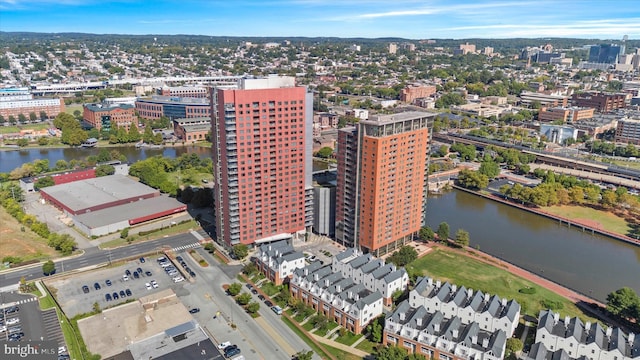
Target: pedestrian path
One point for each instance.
(19, 302)
(184, 247)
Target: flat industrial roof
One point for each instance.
(128, 211)
(84, 194)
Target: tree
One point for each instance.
(624, 302)
(234, 289)
(426, 233)
(513, 345)
(22, 118)
(253, 307)
(43, 141)
(390, 353)
(43, 182)
(124, 233)
(472, 179)
(443, 231)
(250, 269)
(375, 329)
(104, 170)
(489, 168)
(462, 238)
(22, 142)
(33, 116)
(240, 251)
(325, 152)
(303, 355)
(43, 115)
(12, 119)
(405, 255)
(243, 299)
(49, 268)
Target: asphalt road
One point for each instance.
(95, 256)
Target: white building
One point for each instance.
(490, 312)
(578, 339)
(278, 260)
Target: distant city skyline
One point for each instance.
(411, 19)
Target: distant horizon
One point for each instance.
(368, 19)
(285, 37)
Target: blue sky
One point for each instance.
(413, 19)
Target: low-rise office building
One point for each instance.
(628, 131)
(544, 99)
(565, 114)
(173, 107)
(21, 104)
(436, 336)
(192, 129)
(105, 116)
(600, 101)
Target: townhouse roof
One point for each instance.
(393, 276)
(107, 107)
(369, 299)
(351, 252)
(372, 266)
(360, 261)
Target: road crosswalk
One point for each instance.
(184, 247)
(19, 302)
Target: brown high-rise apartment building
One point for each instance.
(381, 195)
(262, 159)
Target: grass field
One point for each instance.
(176, 229)
(15, 128)
(69, 109)
(23, 244)
(473, 274)
(634, 165)
(605, 219)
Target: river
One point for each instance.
(12, 159)
(591, 264)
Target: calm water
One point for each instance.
(590, 264)
(12, 159)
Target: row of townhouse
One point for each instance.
(373, 273)
(278, 260)
(570, 338)
(341, 299)
(436, 336)
(491, 313)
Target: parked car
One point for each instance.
(85, 289)
(261, 297)
(179, 258)
(128, 273)
(122, 294)
(96, 286)
(12, 309)
(277, 309)
(142, 260)
(192, 274)
(178, 279)
(148, 273)
(107, 297)
(268, 303)
(13, 321)
(154, 284)
(108, 282)
(128, 292)
(136, 275)
(224, 345)
(139, 270)
(148, 286)
(194, 310)
(115, 296)
(232, 352)
(125, 278)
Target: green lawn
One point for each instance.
(367, 346)
(317, 349)
(15, 129)
(349, 338)
(176, 229)
(331, 326)
(607, 220)
(308, 326)
(629, 164)
(269, 288)
(445, 265)
(339, 354)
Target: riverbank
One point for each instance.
(585, 226)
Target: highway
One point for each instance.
(95, 256)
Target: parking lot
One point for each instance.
(108, 287)
(21, 319)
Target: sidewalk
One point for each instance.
(337, 345)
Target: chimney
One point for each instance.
(429, 281)
(316, 277)
(326, 282)
(609, 331)
(469, 293)
(504, 302)
(556, 318)
(485, 342)
(453, 288)
(436, 327)
(402, 316)
(356, 297)
(419, 323)
(631, 338)
(338, 288)
(486, 297)
(474, 339)
(587, 326)
(438, 284)
(566, 320)
(306, 270)
(350, 294)
(454, 333)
